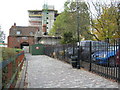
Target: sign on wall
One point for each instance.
(37, 48)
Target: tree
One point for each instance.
(67, 38)
(2, 35)
(66, 22)
(105, 25)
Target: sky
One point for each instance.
(15, 11)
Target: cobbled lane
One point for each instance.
(46, 72)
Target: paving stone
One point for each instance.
(46, 72)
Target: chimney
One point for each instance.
(14, 24)
(45, 29)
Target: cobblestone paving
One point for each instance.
(46, 72)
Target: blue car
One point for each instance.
(105, 57)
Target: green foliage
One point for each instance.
(68, 38)
(18, 50)
(9, 52)
(2, 36)
(106, 25)
(67, 23)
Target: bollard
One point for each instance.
(74, 61)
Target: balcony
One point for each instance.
(35, 19)
(35, 15)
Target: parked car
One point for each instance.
(105, 57)
(85, 49)
(70, 51)
(88, 49)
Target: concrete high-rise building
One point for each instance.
(35, 18)
(43, 19)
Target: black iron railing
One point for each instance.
(97, 57)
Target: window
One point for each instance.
(18, 32)
(18, 39)
(25, 38)
(14, 29)
(31, 33)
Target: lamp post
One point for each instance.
(78, 34)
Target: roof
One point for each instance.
(47, 37)
(23, 31)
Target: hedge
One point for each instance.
(9, 52)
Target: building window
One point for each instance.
(18, 39)
(14, 29)
(18, 32)
(25, 38)
(31, 33)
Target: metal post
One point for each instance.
(119, 63)
(90, 57)
(119, 44)
(78, 33)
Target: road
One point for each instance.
(46, 72)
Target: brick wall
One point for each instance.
(26, 35)
(14, 41)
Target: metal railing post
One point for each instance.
(90, 59)
(78, 33)
(119, 63)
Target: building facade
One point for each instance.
(20, 36)
(40, 23)
(49, 40)
(43, 19)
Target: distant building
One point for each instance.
(20, 36)
(40, 23)
(48, 40)
(43, 19)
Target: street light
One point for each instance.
(78, 34)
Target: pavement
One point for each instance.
(46, 72)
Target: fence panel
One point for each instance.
(95, 56)
(10, 69)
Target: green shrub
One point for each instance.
(18, 50)
(8, 53)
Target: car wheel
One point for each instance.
(112, 62)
